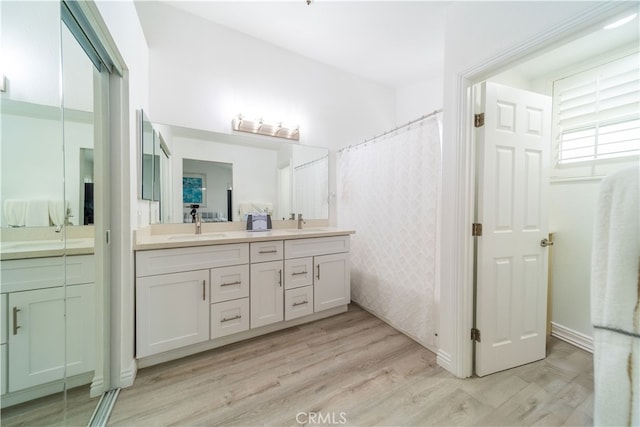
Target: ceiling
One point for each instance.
(391, 42)
(396, 43)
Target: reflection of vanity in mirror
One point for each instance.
(231, 175)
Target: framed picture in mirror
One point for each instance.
(193, 189)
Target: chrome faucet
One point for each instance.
(198, 223)
(300, 221)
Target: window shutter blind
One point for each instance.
(597, 112)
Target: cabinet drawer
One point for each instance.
(38, 273)
(161, 261)
(229, 317)
(299, 248)
(266, 251)
(298, 302)
(298, 272)
(229, 283)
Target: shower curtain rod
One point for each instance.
(426, 116)
(309, 163)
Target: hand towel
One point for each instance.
(37, 213)
(15, 212)
(58, 211)
(615, 300)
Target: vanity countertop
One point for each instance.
(182, 240)
(45, 248)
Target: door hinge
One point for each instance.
(476, 229)
(475, 334)
(478, 120)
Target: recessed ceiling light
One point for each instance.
(620, 22)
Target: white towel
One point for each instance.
(615, 300)
(246, 208)
(37, 213)
(58, 211)
(15, 212)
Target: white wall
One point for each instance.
(203, 75)
(477, 34)
(418, 99)
(124, 27)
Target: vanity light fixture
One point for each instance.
(241, 124)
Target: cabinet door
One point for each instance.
(3, 368)
(298, 302)
(81, 333)
(228, 283)
(266, 293)
(332, 286)
(36, 337)
(172, 311)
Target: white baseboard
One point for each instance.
(444, 360)
(97, 387)
(576, 338)
(429, 347)
(128, 376)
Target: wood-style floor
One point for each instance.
(353, 369)
(74, 409)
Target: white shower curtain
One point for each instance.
(311, 181)
(388, 191)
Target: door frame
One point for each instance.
(460, 313)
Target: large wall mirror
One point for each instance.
(233, 175)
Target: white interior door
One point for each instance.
(513, 163)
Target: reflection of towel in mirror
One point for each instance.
(57, 211)
(37, 213)
(615, 300)
(15, 212)
(246, 208)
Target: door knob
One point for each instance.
(546, 242)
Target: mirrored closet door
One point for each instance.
(54, 258)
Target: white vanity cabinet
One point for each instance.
(329, 259)
(173, 303)
(34, 352)
(267, 283)
(227, 292)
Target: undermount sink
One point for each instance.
(205, 236)
(303, 230)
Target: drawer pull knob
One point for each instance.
(237, 282)
(295, 304)
(229, 319)
(273, 251)
(15, 320)
(299, 274)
